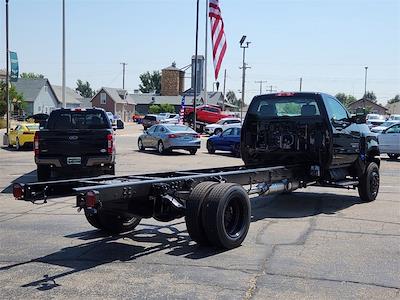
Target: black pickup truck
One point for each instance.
(75, 143)
(288, 141)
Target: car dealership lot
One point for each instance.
(323, 244)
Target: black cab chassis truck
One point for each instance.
(288, 141)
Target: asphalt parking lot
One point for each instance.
(317, 243)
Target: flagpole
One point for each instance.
(7, 71)
(206, 56)
(195, 65)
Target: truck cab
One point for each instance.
(311, 128)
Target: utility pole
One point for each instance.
(301, 83)
(123, 74)
(271, 89)
(7, 78)
(365, 86)
(63, 56)
(223, 101)
(261, 83)
(244, 67)
(195, 65)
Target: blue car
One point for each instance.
(229, 140)
(167, 137)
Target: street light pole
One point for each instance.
(7, 71)
(244, 67)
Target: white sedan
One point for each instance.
(221, 125)
(385, 125)
(389, 141)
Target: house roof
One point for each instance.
(30, 88)
(368, 102)
(117, 94)
(71, 96)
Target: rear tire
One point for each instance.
(192, 151)
(43, 172)
(160, 147)
(226, 215)
(193, 213)
(112, 223)
(368, 186)
(210, 147)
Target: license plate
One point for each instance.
(73, 160)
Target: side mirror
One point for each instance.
(358, 119)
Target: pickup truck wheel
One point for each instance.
(226, 215)
(112, 223)
(393, 155)
(160, 147)
(210, 147)
(43, 172)
(368, 186)
(217, 131)
(140, 145)
(193, 212)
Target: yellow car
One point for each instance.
(22, 135)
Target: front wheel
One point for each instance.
(210, 147)
(140, 145)
(192, 151)
(368, 186)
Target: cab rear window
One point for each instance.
(281, 106)
(61, 120)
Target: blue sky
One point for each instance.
(325, 42)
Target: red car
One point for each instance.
(206, 113)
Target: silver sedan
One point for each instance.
(167, 137)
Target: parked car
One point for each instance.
(383, 126)
(150, 120)
(221, 125)
(389, 141)
(395, 117)
(167, 137)
(22, 135)
(75, 143)
(228, 140)
(172, 119)
(112, 119)
(375, 120)
(205, 113)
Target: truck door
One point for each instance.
(346, 135)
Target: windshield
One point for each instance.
(179, 128)
(32, 127)
(282, 106)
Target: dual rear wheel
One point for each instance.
(218, 214)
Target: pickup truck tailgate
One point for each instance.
(73, 143)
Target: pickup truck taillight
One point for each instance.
(36, 143)
(110, 143)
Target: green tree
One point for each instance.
(394, 100)
(167, 108)
(16, 99)
(346, 99)
(150, 82)
(84, 89)
(154, 109)
(369, 95)
(31, 75)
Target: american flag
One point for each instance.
(217, 34)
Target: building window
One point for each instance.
(103, 98)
